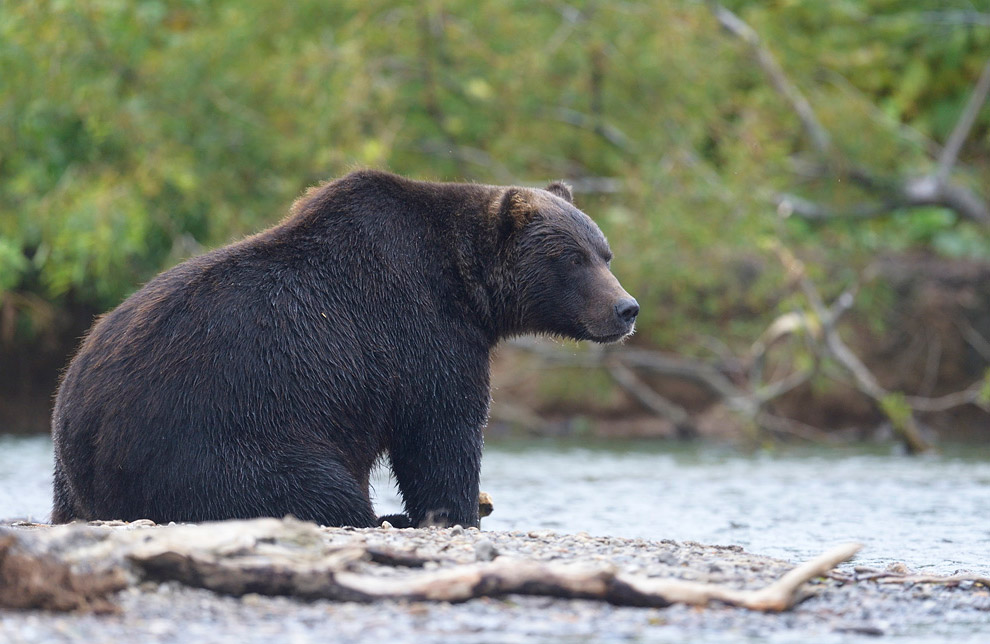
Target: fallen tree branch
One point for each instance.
(863, 378)
(696, 372)
(791, 427)
(780, 387)
(951, 580)
(900, 416)
(238, 576)
(751, 398)
(700, 373)
(298, 559)
(653, 401)
(28, 580)
(969, 396)
(900, 574)
(516, 415)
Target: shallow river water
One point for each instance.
(931, 513)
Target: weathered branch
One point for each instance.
(619, 363)
(897, 407)
(973, 338)
(964, 125)
(607, 131)
(517, 416)
(766, 60)
(968, 396)
(918, 192)
(791, 427)
(697, 372)
(780, 387)
(902, 419)
(751, 399)
(900, 574)
(31, 581)
(298, 559)
(235, 575)
(865, 381)
(950, 580)
(653, 401)
(933, 189)
(792, 205)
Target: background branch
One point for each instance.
(746, 395)
(802, 107)
(964, 125)
(933, 189)
(630, 382)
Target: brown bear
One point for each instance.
(266, 377)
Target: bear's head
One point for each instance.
(560, 268)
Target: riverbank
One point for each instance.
(789, 504)
(150, 606)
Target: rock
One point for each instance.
(484, 550)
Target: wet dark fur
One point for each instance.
(266, 377)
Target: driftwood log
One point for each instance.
(330, 579)
(77, 566)
(31, 581)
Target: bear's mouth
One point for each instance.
(608, 338)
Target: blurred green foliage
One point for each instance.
(134, 133)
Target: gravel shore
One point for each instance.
(836, 611)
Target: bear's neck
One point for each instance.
(477, 259)
(486, 267)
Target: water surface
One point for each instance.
(930, 512)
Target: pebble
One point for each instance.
(484, 550)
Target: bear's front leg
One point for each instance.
(438, 475)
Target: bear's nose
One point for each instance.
(627, 309)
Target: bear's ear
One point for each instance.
(515, 210)
(562, 190)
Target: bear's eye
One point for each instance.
(577, 259)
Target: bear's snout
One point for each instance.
(627, 309)
(611, 312)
